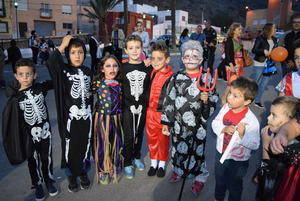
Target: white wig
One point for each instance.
(192, 45)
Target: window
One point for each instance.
(23, 5)
(3, 27)
(255, 22)
(263, 21)
(66, 9)
(183, 18)
(45, 6)
(67, 25)
(2, 8)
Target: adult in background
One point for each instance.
(262, 48)
(2, 62)
(13, 54)
(143, 34)
(93, 43)
(211, 43)
(234, 61)
(184, 37)
(289, 38)
(117, 38)
(34, 45)
(199, 35)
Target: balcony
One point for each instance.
(45, 13)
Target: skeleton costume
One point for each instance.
(136, 82)
(33, 129)
(73, 102)
(186, 116)
(108, 133)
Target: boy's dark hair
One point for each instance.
(133, 38)
(248, 87)
(13, 43)
(99, 75)
(161, 47)
(25, 62)
(74, 42)
(290, 104)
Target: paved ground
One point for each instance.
(15, 181)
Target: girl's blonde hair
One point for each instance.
(232, 28)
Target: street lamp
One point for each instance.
(17, 27)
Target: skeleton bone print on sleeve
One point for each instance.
(80, 89)
(136, 79)
(33, 107)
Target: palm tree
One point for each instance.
(99, 12)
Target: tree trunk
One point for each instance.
(173, 16)
(125, 17)
(103, 25)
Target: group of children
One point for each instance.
(128, 97)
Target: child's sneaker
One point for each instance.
(197, 187)
(39, 193)
(161, 172)
(152, 171)
(84, 181)
(73, 185)
(129, 172)
(104, 179)
(139, 164)
(52, 190)
(174, 178)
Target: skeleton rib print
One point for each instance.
(34, 108)
(136, 79)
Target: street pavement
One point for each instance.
(15, 181)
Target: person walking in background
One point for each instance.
(211, 42)
(199, 35)
(144, 35)
(117, 38)
(44, 54)
(34, 45)
(289, 39)
(234, 51)
(2, 62)
(262, 49)
(93, 43)
(14, 54)
(184, 37)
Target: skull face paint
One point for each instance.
(191, 59)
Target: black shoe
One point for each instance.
(39, 193)
(161, 172)
(259, 105)
(73, 185)
(152, 171)
(84, 181)
(52, 190)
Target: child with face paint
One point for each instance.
(283, 109)
(290, 84)
(185, 113)
(108, 133)
(73, 102)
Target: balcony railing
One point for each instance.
(45, 13)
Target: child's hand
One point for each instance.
(266, 138)
(204, 97)
(278, 143)
(229, 130)
(65, 42)
(241, 127)
(147, 62)
(165, 130)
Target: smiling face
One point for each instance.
(76, 55)
(139, 27)
(277, 117)
(192, 59)
(25, 76)
(134, 50)
(238, 31)
(159, 60)
(110, 69)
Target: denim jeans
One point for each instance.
(229, 176)
(262, 81)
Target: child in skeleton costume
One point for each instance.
(135, 77)
(32, 124)
(108, 133)
(73, 102)
(185, 112)
(158, 143)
